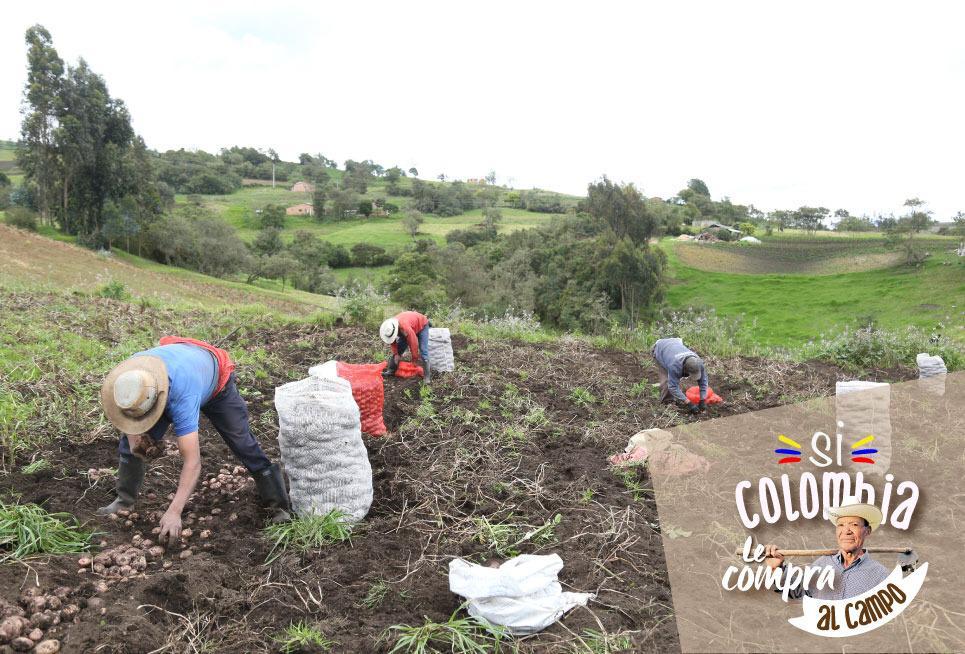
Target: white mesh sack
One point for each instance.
(321, 446)
(440, 350)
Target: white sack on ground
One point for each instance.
(931, 372)
(440, 350)
(865, 409)
(321, 446)
(522, 594)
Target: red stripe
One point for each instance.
(862, 459)
(790, 459)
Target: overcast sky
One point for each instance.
(842, 104)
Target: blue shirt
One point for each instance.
(862, 575)
(192, 378)
(671, 354)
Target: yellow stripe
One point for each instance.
(867, 439)
(785, 439)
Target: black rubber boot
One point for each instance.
(274, 497)
(130, 476)
(390, 367)
(426, 372)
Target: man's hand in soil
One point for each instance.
(694, 409)
(170, 528)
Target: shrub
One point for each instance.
(366, 254)
(869, 348)
(114, 290)
(362, 305)
(22, 218)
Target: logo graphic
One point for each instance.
(858, 455)
(795, 455)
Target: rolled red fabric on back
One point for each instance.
(225, 365)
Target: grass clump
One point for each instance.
(456, 635)
(504, 538)
(34, 467)
(114, 290)
(301, 635)
(308, 533)
(375, 595)
(600, 642)
(27, 529)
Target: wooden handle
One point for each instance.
(870, 550)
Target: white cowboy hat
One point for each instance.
(134, 393)
(389, 331)
(870, 513)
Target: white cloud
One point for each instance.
(851, 105)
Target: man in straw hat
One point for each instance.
(855, 572)
(409, 329)
(172, 384)
(676, 360)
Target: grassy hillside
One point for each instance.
(8, 162)
(238, 210)
(785, 310)
(31, 262)
(796, 254)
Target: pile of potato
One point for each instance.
(22, 627)
(227, 483)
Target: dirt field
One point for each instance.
(518, 434)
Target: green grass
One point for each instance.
(456, 635)
(308, 533)
(791, 310)
(299, 636)
(27, 529)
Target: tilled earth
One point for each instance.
(518, 434)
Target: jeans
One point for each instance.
(228, 412)
(423, 343)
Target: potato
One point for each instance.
(186, 554)
(54, 603)
(51, 646)
(205, 534)
(128, 524)
(139, 564)
(137, 540)
(114, 517)
(104, 558)
(36, 635)
(69, 612)
(156, 531)
(37, 604)
(22, 644)
(99, 568)
(122, 559)
(166, 565)
(126, 571)
(101, 587)
(95, 603)
(147, 544)
(187, 533)
(42, 619)
(10, 628)
(123, 512)
(63, 592)
(215, 511)
(84, 561)
(156, 552)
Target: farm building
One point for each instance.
(303, 209)
(713, 224)
(303, 187)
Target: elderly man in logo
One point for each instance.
(173, 384)
(855, 572)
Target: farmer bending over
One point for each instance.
(171, 385)
(676, 360)
(408, 330)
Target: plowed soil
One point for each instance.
(517, 434)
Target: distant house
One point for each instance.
(713, 224)
(303, 187)
(303, 209)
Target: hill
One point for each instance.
(790, 310)
(36, 263)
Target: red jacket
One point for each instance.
(410, 324)
(225, 365)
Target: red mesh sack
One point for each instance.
(366, 381)
(407, 369)
(693, 394)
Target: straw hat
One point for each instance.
(389, 330)
(869, 512)
(134, 393)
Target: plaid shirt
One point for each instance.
(862, 575)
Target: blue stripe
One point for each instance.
(783, 451)
(859, 452)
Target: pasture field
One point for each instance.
(789, 310)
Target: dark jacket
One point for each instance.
(671, 353)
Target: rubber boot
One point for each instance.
(426, 372)
(274, 497)
(130, 476)
(390, 366)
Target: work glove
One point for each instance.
(694, 409)
(702, 406)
